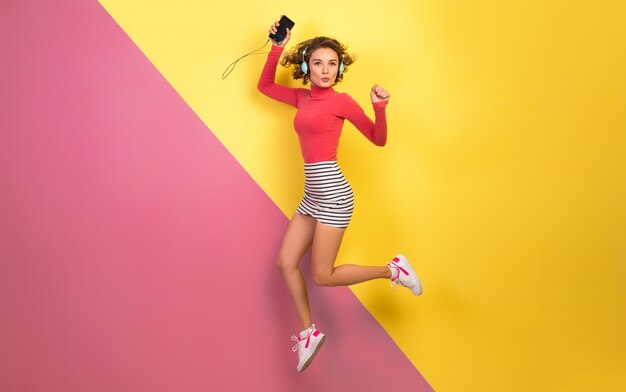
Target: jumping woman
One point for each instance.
(325, 211)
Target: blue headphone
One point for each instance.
(305, 68)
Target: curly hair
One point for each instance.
(295, 56)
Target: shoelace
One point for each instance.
(298, 340)
(397, 280)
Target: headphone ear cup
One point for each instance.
(304, 67)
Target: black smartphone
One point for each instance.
(281, 31)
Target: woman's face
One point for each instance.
(323, 66)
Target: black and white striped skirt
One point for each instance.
(328, 197)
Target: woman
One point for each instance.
(326, 208)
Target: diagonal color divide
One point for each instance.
(122, 244)
(137, 253)
(504, 142)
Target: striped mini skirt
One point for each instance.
(328, 197)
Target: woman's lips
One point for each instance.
(325, 79)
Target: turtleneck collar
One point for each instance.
(320, 92)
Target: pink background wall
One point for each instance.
(136, 253)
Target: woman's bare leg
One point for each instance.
(296, 242)
(326, 243)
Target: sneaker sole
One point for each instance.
(308, 362)
(408, 266)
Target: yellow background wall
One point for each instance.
(503, 180)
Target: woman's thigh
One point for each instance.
(326, 243)
(297, 241)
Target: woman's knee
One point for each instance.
(285, 265)
(322, 279)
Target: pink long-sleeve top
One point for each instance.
(321, 113)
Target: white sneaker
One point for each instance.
(308, 344)
(405, 275)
